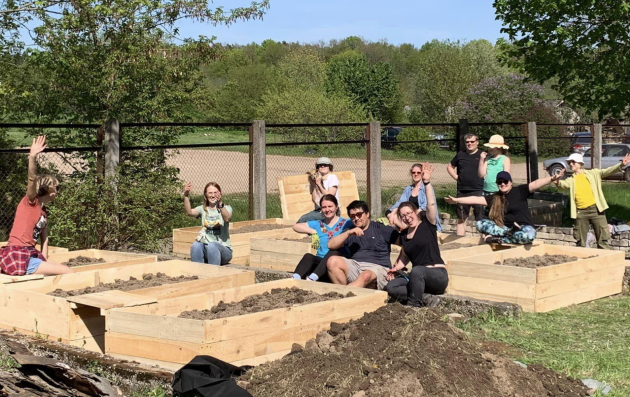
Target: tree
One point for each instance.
(372, 87)
(581, 43)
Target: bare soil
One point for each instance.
(535, 261)
(82, 260)
(257, 228)
(299, 240)
(264, 275)
(276, 299)
(455, 246)
(148, 280)
(399, 352)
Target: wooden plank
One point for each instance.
(280, 246)
(258, 360)
(527, 305)
(6, 279)
(162, 327)
(111, 299)
(580, 282)
(173, 367)
(463, 268)
(170, 291)
(557, 272)
(575, 297)
(86, 322)
(500, 289)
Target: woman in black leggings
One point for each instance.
(428, 276)
(313, 267)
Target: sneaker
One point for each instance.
(429, 300)
(493, 240)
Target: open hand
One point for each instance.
(450, 200)
(38, 146)
(625, 160)
(427, 170)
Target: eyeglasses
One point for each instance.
(405, 216)
(322, 165)
(416, 173)
(502, 182)
(356, 215)
(470, 142)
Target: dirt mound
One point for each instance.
(454, 246)
(276, 299)
(148, 280)
(535, 261)
(257, 228)
(82, 260)
(399, 352)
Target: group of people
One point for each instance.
(356, 251)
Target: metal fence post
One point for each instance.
(374, 168)
(461, 131)
(532, 135)
(596, 149)
(257, 171)
(112, 147)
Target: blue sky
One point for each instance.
(397, 21)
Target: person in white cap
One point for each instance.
(325, 183)
(490, 166)
(588, 204)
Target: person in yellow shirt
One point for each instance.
(587, 201)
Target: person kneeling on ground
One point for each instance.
(322, 182)
(20, 256)
(212, 245)
(313, 267)
(419, 243)
(510, 219)
(369, 245)
(587, 199)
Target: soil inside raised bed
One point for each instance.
(276, 299)
(258, 228)
(454, 246)
(535, 261)
(82, 260)
(399, 352)
(148, 280)
(299, 240)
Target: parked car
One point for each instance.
(442, 140)
(581, 142)
(611, 154)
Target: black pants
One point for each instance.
(314, 264)
(422, 279)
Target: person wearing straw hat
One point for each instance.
(321, 183)
(588, 204)
(490, 166)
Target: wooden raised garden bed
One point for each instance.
(77, 320)
(183, 238)
(155, 334)
(594, 274)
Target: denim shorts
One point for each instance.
(33, 265)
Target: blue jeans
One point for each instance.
(315, 215)
(525, 235)
(213, 253)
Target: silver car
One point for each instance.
(612, 154)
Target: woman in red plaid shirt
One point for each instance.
(20, 256)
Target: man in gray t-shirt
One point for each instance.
(369, 244)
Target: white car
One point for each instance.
(612, 154)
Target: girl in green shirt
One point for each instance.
(489, 167)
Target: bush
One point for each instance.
(418, 148)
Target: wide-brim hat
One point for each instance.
(577, 157)
(496, 141)
(323, 160)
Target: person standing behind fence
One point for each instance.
(490, 166)
(323, 182)
(464, 168)
(588, 204)
(212, 245)
(415, 194)
(313, 267)
(20, 256)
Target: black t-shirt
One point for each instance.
(414, 200)
(516, 209)
(375, 244)
(422, 249)
(467, 166)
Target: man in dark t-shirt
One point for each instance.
(464, 168)
(369, 244)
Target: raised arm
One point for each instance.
(189, 211)
(538, 183)
(472, 200)
(38, 146)
(483, 165)
(431, 213)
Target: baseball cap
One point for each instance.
(577, 157)
(504, 175)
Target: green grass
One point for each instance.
(591, 340)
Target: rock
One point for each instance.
(324, 339)
(597, 385)
(311, 345)
(336, 329)
(296, 348)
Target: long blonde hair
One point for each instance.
(206, 202)
(497, 209)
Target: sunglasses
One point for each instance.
(502, 182)
(416, 173)
(321, 165)
(356, 215)
(471, 141)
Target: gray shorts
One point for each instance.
(355, 268)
